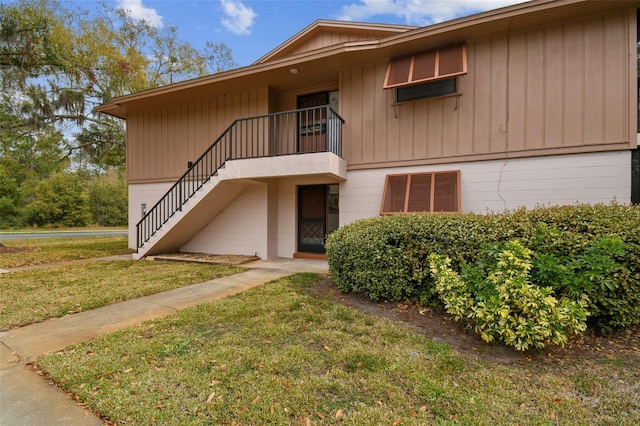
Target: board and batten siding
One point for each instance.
(498, 185)
(328, 38)
(561, 88)
(161, 140)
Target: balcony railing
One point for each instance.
(302, 131)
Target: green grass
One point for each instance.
(279, 355)
(31, 296)
(50, 250)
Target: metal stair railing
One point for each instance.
(308, 130)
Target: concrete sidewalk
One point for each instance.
(29, 399)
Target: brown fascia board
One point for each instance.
(523, 15)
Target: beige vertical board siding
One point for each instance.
(563, 86)
(497, 185)
(499, 91)
(483, 97)
(327, 38)
(465, 105)
(368, 95)
(517, 92)
(407, 137)
(616, 36)
(553, 81)
(594, 81)
(574, 84)
(161, 140)
(383, 114)
(534, 107)
(241, 228)
(450, 127)
(353, 109)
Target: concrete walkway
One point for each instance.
(28, 399)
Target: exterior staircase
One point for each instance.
(249, 149)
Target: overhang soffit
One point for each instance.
(399, 40)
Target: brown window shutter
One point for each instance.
(452, 61)
(394, 194)
(398, 71)
(424, 66)
(420, 193)
(434, 64)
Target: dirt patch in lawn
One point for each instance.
(224, 259)
(6, 250)
(622, 344)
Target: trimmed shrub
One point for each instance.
(504, 305)
(386, 258)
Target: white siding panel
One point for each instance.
(240, 229)
(360, 195)
(139, 194)
(286, 218)
(507, 184)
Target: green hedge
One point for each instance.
(386, 258)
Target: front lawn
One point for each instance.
(37, 251)
(31, 296)
(282, 354)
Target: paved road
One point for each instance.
(61, 234)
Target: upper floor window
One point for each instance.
(430, 89)
(421, 192)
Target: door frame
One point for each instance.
(328, 219)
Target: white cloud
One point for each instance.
(419, 12)
(140, 12)
(238, 18)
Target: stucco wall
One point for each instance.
(148, 194)
(497, 185)
(240, 229)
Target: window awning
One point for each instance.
(426, 66)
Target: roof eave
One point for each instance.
(446, 32)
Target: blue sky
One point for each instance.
(253, 28)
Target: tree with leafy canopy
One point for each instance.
(57, 64)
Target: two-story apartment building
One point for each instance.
(532, 104)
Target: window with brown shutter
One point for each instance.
(421, 192)
(437, 64)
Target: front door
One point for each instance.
(317, 216)
(312, 124)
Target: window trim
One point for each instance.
(432, 192)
